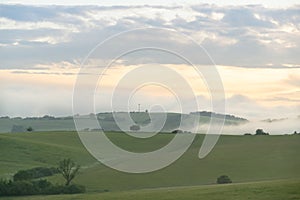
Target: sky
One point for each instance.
(266, 3)
(254, 46)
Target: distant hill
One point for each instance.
(147, 121)
(217, 115)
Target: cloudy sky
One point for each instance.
(255, 48)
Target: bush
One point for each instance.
(223, 179)
(3, 187)
(73, 189)
(34, 173)
(10, 188)
(23, 183)
(21, 188)
(63, 189)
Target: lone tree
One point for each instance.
(224, 179)
(261, 132)
(68, 169)
(29, 129)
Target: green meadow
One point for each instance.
(266, 190)
(261, 167)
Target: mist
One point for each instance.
(276, 127)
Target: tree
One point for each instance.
(68, 169)
(177, 131)
(223, 179)
(261, 132)
(135, 127)
(29, 129)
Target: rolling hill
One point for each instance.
(108, 122)
(243, 158)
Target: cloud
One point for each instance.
(244, 106)
(53, 40)
(245, 17)
(293, 80)
(239, 36)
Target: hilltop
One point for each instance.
(108, 123)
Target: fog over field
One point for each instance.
(285, 126)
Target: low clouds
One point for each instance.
(277, 127)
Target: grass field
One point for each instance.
(243, 158)
(267, 190)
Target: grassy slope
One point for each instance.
(275, 190)
(243, 158)
(26, 150)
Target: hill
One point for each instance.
(108, 123)
(243, 158)
(266, 190)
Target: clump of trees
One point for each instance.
(260, 132)
(224, 179)
(36, 187)
(26, 182)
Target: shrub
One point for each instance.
(3, 187)
(73, 189)
(223, 179)
(34, 173)
(21, 188)
(23, 183)
(65, 189)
